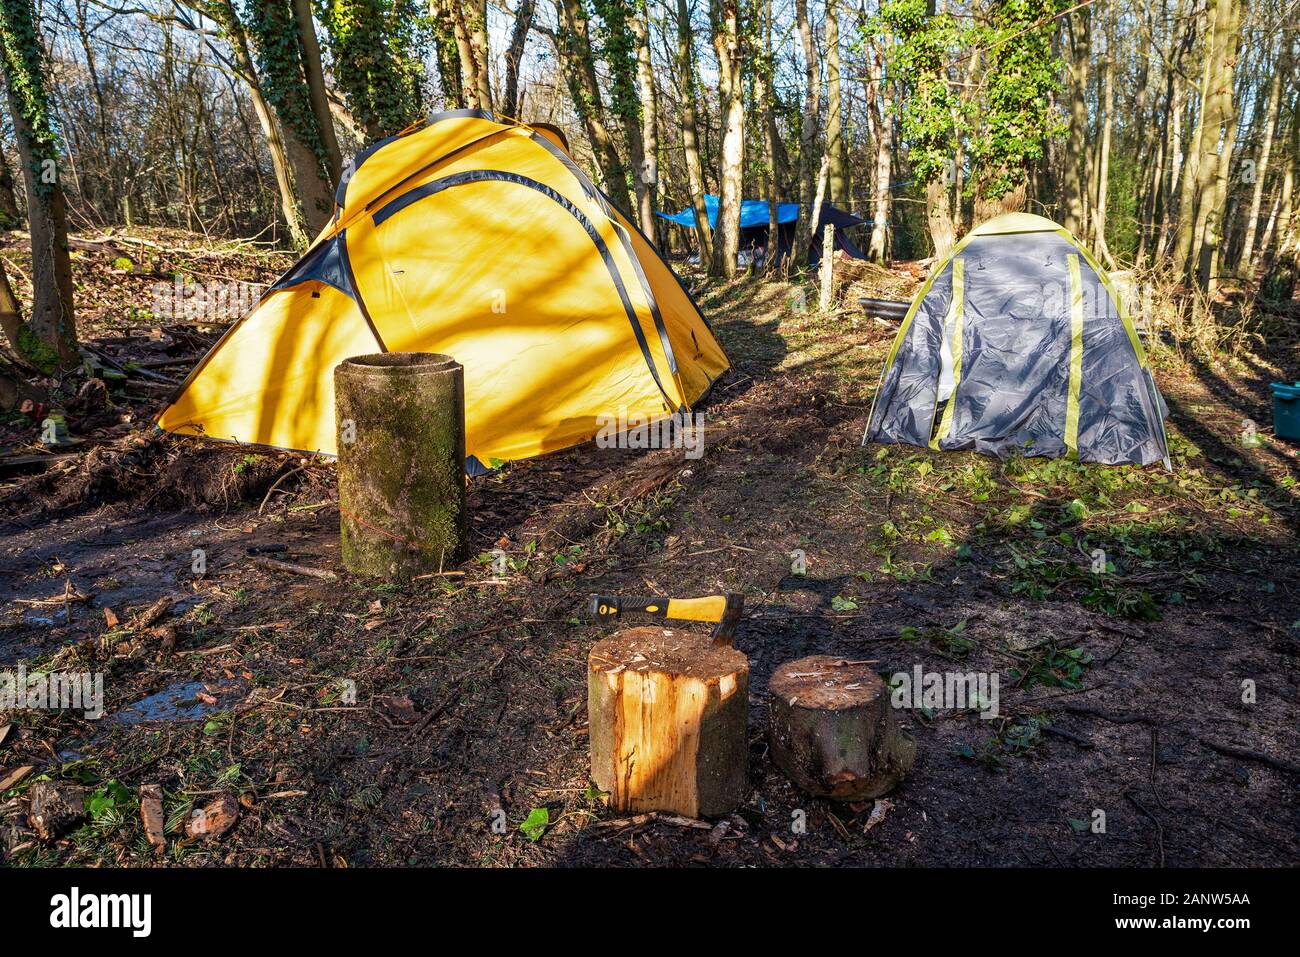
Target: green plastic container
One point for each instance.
(1286, 411)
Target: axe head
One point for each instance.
(724, 632)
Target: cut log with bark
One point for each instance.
(832, 729)
(401, 431)
(668, 713)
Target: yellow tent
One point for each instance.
(480, 238)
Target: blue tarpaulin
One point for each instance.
(756, 214)
(753, 212)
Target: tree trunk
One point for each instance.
(1245, 264)
(401, 465)
(626, 94)
(447, 52)
(224, 14)
(10, 215)
(1286, 218)
(1073, 187)
(764, 100)
(690, 131)
(1215, 166)
(731, 168)
(938, 215)
(273, 28)
(48, 341)
(667, 713)
(832, 729)
(1101, 197)
(837, 146)
(317, 197)
(471, 83)
(1171, 190)
(1280, 275)
(573, 44)
(807, 137)
(514, 54)
(648, 174)
(879, 250)
(1202, 167)
(320, 102)
(478, 44)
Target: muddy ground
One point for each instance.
(1163, 693)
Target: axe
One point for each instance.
(723, 610)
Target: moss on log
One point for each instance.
(401, 429)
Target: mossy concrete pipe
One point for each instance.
(401, 439)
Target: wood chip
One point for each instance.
(151, 815)
(214, 820)
(15, 776)
(878, 812)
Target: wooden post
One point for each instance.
(827, 293)
(833, 731)
(668, 713)
(401, 441)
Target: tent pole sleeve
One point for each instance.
(1076, 359)
(958, 332)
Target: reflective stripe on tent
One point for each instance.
(479, 238)
(954, 341)
(1076, 358)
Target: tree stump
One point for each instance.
(833, 730)
(668, 713)
(401, 428)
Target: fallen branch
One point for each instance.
(151, 615)
(292, 569)
(1245, 754)
(1112, 716)
(637, 820)
(1076, 739)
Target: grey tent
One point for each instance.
(1017, 343)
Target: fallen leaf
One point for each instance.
(110, 618)
(398, 707)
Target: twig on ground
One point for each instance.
(278, 566)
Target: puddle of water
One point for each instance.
(178, 702)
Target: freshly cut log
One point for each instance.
(833, 731)
(402, 502)
(668, 713)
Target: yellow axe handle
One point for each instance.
(697, 609)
